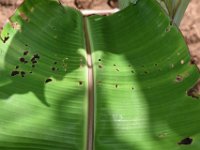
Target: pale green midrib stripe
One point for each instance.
(89, 45)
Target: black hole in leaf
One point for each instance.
(36, 56)
(55, 62)
(14, 73)
(30, 72)
(80, 82)
(17, 67)
(5, 39)
(186, 141)
(34, 62)
(53, 68)
(33, 66)
(23, 73)
(26, 53)
(99, 59)
(22, 60)
(48, 80)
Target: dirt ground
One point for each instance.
(190, 25)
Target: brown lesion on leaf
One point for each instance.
(179, 78)
(194, 92)
(23, 16)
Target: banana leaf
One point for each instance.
(69, 82)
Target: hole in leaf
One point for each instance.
(80, 82)
(17, 67)
(53, 68)
(23, 73)
(99, 59)
(22, 60)
(48, 80)
(186, 141)
(26, 53)
(14, 73)
(6, 39)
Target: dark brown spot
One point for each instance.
(26, 53)
(179, 78)
(48, 80)
(186, 141)
(80, 82)
(23, 73)
(14, 73)
(194, 92)
(192, 61)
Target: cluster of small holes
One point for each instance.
(34, 60)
